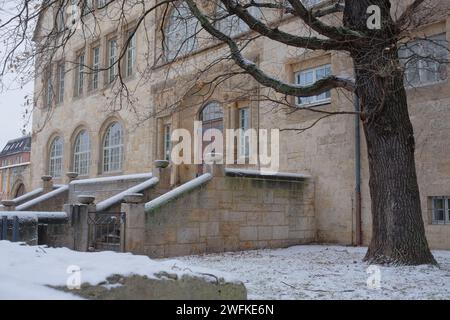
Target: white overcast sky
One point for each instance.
(11, 112)
(11, 95)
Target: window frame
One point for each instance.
(55, 161)
(107, 164)
(95, 67)
(243, 27)
(113, 68)
(167, 141)
(446, 209)
(80, 74)
(79, 154)
(49, 87)
(315, 102)
(61, 74)
(182, 48)
(244, 140)
(421, 65)
(130, 69)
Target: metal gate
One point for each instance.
(106, 231)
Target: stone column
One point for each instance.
(79, 221)
(214, 164)
(134, 231)
(47, 184)
(162, 171)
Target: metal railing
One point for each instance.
(106, 231)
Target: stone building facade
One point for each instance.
(80, 125)
(15, 168)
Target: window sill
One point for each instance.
(314, 104)
(426, 85)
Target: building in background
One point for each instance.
(15, 167)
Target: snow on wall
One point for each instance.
(262, 173)
(42, 198)
(105, 204)
(27, 216)
(175, 193)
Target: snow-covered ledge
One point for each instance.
(113, 178)
(29, 195)
(236, 172)
(44, 197)
(177, 192)
(118, 198)
(36, 216)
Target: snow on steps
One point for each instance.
(118, 198)
(177, 192)
(47, 196)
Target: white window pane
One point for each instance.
(309, 77)
(113, 148)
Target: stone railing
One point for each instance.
(118, 198)
(177, 192)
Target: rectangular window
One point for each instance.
(311, 3)
(61, 72)
(86, 7)
(131, 54)
(48, 87)
(441, 210)
(60, 18)
(167, 142)
(244, 125)
(112, 60)
(95, 67)
(99, 4)
(425, 61)
(309, 77)
(80, 75)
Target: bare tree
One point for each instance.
(341, 26)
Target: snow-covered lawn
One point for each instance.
(26, 272)
(301, 272)
(327, 272)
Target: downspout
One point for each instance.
(358, 220)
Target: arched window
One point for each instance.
(56, 157)
(113, 148)
(231, 25)
(180, 33)
(81, 153)
(211, 111)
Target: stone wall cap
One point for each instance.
(85, 199)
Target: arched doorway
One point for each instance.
(211, 116)
(20, 190)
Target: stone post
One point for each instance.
(71, 176)
(214, 164)
(134, 231)
(79, 221)
(47, 184)
(162, 171)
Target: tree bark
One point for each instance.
(398, 233)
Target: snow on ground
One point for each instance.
(27, 271)
(327, 272)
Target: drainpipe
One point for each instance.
(358, 230)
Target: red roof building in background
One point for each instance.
(14, 167)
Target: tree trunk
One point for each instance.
(398, 233)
